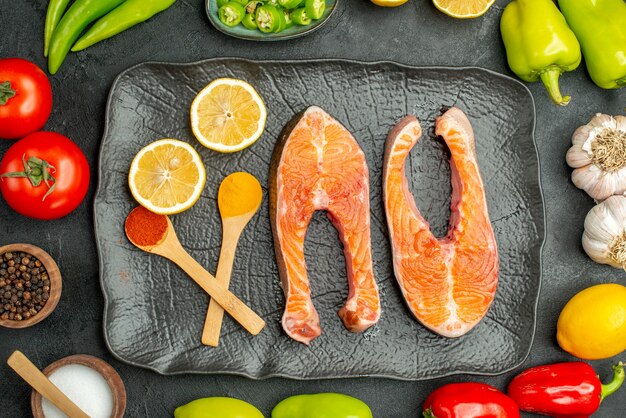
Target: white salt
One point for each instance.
(85, 387)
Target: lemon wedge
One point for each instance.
(463, 9)
(167, 177)
(228, 115)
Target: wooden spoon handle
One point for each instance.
(245, 316)
(31, 374)
(215, 313)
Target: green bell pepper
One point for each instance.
(80, 14)
(125, 16)
(217, 408)
(322, 405)
(600, 26)
(539, 44)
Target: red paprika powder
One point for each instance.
(145, 228)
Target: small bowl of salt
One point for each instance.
(92, 384)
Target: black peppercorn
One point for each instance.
(24, 286)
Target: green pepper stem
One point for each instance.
(618, 378)
(6, 92)
(550, 79)
(428, 413)
(621, 82)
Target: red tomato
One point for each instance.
(70, 173)
(29, 109)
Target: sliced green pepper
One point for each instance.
(78, 17)
(282, 22)
(242, 2)
(249, 21)
(300, 17)
(268, 18)
(272, 3)
(232, 13)
(288, 19)
(322, 405)
(539, 44)
(56, 8)
(217, 408)
(251, 6)
(125, 16)
(290, 4)
(600, 26)
(220, 3)
(315, 8)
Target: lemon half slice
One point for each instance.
(228, 115)
(167, 176)
(463, 9)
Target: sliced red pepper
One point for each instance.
(563, 389)
(469, 400)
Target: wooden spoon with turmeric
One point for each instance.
(239, 197)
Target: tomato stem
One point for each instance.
(36, 170)
(428, 413)
(6, 92)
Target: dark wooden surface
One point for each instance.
(415, 34)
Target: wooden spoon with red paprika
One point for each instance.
(155, 234)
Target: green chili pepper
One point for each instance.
(220, 3)
(73, 23)
(56, 8)
(217, 408)
(268, 18)
(322, 405)
(232, 13)
(272, 3)
(600, 26)
(249, 21)
(290, 4)
(300, 17)
(539, 44)
(315, 8)
(127, 15)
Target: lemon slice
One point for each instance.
(167, 177)
(463, 9)
(389, 3)
(228, 115)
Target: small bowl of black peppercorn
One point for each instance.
(30, 285)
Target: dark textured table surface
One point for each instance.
(415, 34)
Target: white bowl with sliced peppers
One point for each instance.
(268, 20)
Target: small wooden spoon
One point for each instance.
(239, 197)
(31, 374)
(169, 247)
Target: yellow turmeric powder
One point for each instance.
(239, 193)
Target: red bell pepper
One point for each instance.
(469, 400)
(563, 390)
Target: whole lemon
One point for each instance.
(592, 325)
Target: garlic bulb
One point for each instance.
(598, 155)
(604, 239)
